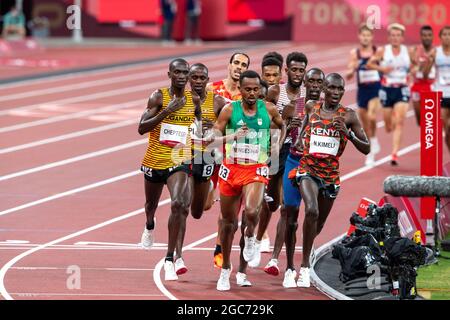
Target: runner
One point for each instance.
(314, 80)
(326, 129)
(227, 88)
(424, 71)
(368, 87)
(244, 172)
(441, 56)
(271, 69)
(394, 61)
(280, 95)
(202, 164)
(169, 114)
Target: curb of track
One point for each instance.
(316, 281)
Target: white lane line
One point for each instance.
(76, 99)
(74, 159)
(108, 70)
(82, 268)
(70, 192)
(68, 136)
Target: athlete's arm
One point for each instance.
(273, 93)
(429, 63)
(277, 120)
(352, 65)
(152, 117)
(357, 135)
(308, 108)
(374, 61)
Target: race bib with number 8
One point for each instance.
(208, 170)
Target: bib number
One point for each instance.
(224, 172)
(171, 134)
(245, 152)
(323, 145)
(366, 76)
(208, 170)
(263, 172)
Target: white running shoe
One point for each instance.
(223, 284)
(370, 159)
(147, 239)
(242, 281)
(169, 270)
(180, 267)
(289, 279)
(374, 145)
(254, 263)
(272, 267)
(267, 198)
(303, 280)
(265, 245)
(249, 248)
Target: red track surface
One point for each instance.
(43, 205)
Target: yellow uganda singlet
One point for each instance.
(207, 113)
(169, 144)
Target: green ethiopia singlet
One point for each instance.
(255, 146)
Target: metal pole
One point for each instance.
(77, 33)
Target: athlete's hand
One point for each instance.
(339, 124)
(296, 122)
(176, 104)
(298, 146)
(241, 132)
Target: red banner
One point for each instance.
(430, 145)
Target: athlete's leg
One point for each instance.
(180, 190)
(291, 234)
(253, 200)
(152, 195)
(273, 191)
(372, 110)
(364, 117)
(281, 233)
(387, 115)
(309, 191)
(229, 206)
(400, 109)
(446, 119)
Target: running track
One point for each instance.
(71, 195)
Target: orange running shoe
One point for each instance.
(394, 160)
(218, 260)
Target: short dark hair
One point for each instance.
(296, 56)
(177, 60)
(244, 54)
(442, 30)
(426, 28)
(199, 65)
(314, 70)
(334, 75)
(249, 74)
(274, 54)
(271, 61)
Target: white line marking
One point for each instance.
(31, 294)
(70, 192)
(74, 159)
(68, 136)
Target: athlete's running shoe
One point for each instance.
(223, 284)
(180, 267)
(394, 160)
(265, 245)
(218, 260)
(303, 280)
(289, 279)
(249, 248)
(169, 270)
(147, 239)
(272, 267)
(242, 281)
